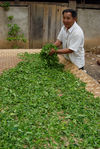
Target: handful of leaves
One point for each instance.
(47, 59)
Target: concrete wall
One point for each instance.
(89, 20)
(21, 18)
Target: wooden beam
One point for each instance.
(72, 0)
(72, 4)
(83, 1)
(17, 1)
(88, 6)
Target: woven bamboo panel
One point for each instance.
(9, 59)
(91, 85)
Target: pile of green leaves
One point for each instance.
(49, 60)
(46, 108)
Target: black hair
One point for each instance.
(73, 12)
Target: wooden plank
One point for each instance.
(88, 6)
(30, 29)
(36, 26)
(49, 22)
(39, 26)
(45, 25)
(58, 20)
(16, 1)
(52, 29)
(62, 8)
(32, 22)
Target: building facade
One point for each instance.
(41, 21)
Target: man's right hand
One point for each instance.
(52, 52)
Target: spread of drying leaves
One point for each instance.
(44, 107)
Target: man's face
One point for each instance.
(68, 20)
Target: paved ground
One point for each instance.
(9, 59)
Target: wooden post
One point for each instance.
(16, 1)
(72, 4)
(83, 1)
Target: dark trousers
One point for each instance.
(81, 68)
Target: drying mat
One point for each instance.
(9, 59)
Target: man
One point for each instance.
(71, 37)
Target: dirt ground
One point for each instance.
(91, 66)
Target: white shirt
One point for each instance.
(73, 39)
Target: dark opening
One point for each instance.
(88, 1)
(92, 1)
(6, 0)
(62, 1)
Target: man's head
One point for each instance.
(69, 17)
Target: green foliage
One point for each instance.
(10, 18)
(46, 108)
(13, 30)
(49, 60)
(5, 5)
(14, 33)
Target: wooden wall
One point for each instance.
(45, 23)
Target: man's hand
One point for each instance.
(52, 52)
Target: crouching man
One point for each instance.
(71, 38)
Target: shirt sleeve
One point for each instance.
(76, 42)
(60, 35)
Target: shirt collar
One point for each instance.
(71, 28)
